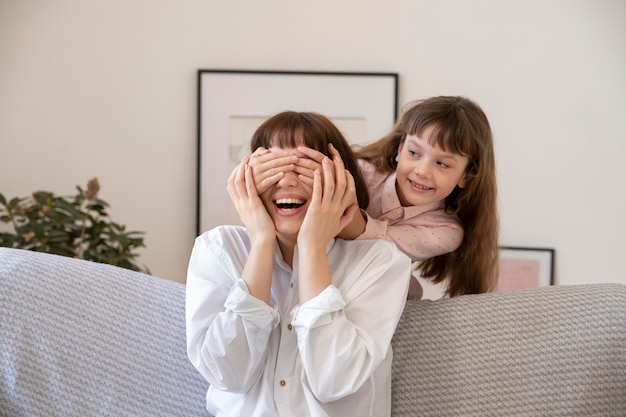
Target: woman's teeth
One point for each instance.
(289, 203)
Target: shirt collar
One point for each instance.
(278, 255)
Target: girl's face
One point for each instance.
(287, 201)
(426, 174)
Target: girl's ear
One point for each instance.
(462, 181)
(467, 176)
(399, 150)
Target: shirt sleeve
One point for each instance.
(422, 237)
(227, 329)
(345, 332)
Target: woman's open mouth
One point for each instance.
(289, 204)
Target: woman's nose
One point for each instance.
(290, 179)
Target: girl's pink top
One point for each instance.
(421, 232)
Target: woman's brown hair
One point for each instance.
(460, 126)
(290, 129)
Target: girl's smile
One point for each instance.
(419, 187)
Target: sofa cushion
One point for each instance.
(552, 351)
(86, 339)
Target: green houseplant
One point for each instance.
(75, 226)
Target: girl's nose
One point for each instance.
(422, 170)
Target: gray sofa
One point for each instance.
(85, 339)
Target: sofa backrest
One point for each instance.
(551, 351)
(85, 339)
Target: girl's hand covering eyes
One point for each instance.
(307, 166)
(269, 167)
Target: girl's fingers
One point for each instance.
(334, 153)
(306, 180)
(267, 182)
(273, 159)
(269, 167)
(307, 167)
(313, 154)
(260, 151)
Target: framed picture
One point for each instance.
(522, 268)
(233, 103)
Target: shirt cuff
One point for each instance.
(316, 311)
(250, 308)
(374, 229)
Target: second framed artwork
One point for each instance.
(233, 103)
(522, 268)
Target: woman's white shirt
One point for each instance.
(330, 356)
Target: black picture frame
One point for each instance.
(525, 267)
(231, 102)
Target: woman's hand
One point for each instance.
(257, 272)
(305, 168)
(248, 204)
(325, 217)
(269, 167)
(333, 203)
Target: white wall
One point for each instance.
(108, 89)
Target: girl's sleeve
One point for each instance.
(227, 329)
(344, 334)
(425, 236)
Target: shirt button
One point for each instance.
(289, 326)
(291, 285)
(282, 383)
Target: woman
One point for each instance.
(282, 317)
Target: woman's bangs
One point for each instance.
(285, 138)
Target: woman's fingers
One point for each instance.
(249, 181)
(350, 197)
(236, 186)
(328, 180)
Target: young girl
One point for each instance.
(432, 187)
(282, 318)
(440, 159)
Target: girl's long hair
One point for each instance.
(460, 126)
(290, 129)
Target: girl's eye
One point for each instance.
(443, 165)
(413, 154)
